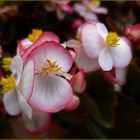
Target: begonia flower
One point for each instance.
(52, 62)
(89, 8)
(61, 7)
(18, 88)
(110, 49)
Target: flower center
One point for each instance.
(95, 2)
(7, 84)
(6, 63)
(112, 39)
(52, 68)
(34, 35)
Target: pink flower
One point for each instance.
(88, 9)
(133, 32)
(61, 7)
(51, 91)
(110, 49)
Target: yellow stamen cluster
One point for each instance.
(7, 84)
(6, 63)
(95, 2)
(34, 35)
(53, 68)
(112, 39)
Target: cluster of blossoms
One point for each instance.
(44, 77)
(40, 80)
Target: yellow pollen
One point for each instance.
(95, 2)
(112, 39)
(34, 35)
(6, 63)
(7, 84)
(53, 68)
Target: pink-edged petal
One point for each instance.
(54, 52)
(121, 75)
(25, 84)
(73, 104)
(105, 60)
(46, 36)
(39, 123)
(121, 54)
(11, 103)
(25, 107)
(51, 93)
(84, 62)
(23, 45)
(78, 81)
(92, 41)
(16, 67)
(102, 30)
(26, 43)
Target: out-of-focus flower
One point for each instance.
(18, 87)
(110, 49)
(89, 8)
(6, 61)
(133, 32)
(61, 7)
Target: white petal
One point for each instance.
(16, 67)
(105, 60)
(102, 30)
(39, 123)
(84, 62)
(51, 93)
(100, 10)
(121, 54)
(11, 103)
(72, 43)
(90, 16)
(92, 41)
(26, 82)
(25, 107)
